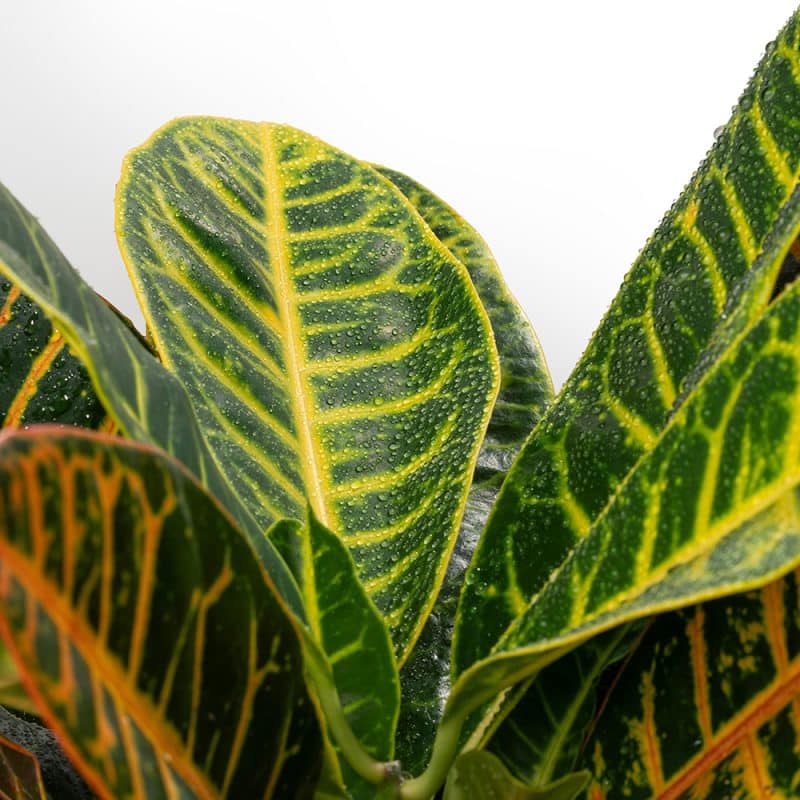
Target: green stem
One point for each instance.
(445, 749)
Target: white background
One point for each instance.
(562, 131)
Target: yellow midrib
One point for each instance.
(309, 456)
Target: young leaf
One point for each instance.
(40, 379)
(711, 510)
(348, 628)
(151, 638)
(478, 775)
(615, 403)
(729, 727)
(146, 401)
(525, 391)
(333, 349)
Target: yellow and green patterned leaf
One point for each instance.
(540, 738)
(332, 347)
(543, 732)
(151, 638)
(525, 391)
(711, 510)
(40, 379)
(344, 622)
(20, 776)
(730, 727)
(615, 404)
(147, 402)
(478, 775)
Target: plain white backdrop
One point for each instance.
(562, 131)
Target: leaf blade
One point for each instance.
(614, 405)
(357, 340)
(102, 673)
(736, 713)
(525, 391)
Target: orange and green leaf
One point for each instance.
(147, 632)
(708, 706)
(20, 775)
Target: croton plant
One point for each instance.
(326, 532)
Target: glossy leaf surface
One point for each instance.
(534, 731)
(525, 391)
(729, 727)
(478, 775)
(349, 629)
(711, 510)
(20, 777)
(40, 379)
(150, 636)
(614, 405)
(333, 349)
(146, 401)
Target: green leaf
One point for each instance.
(613, 407)
(20, 776)
(478, 775)
(535, 727)
(711, 510)
(12, 692)
(540, 737)
(349, 629)
(729, 726)
(157, 646)
(525, 391)
(333, 349)
(146, 401)
(40, 379)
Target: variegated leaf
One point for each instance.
(711, 510)
(152, 639)
(614, 405)
(332, 347)
(729, 727)
(147, 402)
(525, 391)
(343, 621)
(20, 776)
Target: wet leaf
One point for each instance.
(146, 401)
(343, 621)
(615, 404)
(334, 351)
(525, 391)
(155, 643)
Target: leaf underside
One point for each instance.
(148, 633)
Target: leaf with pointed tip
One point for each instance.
(146, 401)
(614, 405)
(525, 391)
(478, 775)
(533, 729)
(148, 633)
(729, 728)
(346, 625)
(711, 510)
(333, 348)
(20, 776)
